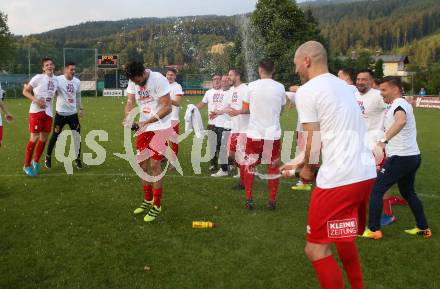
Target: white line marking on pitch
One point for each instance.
(118, 175)
(431, 196)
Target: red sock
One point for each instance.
(396, 200)
(28, 154)
(328, 272)
(349, 256)
(241, 169)
(157, 196)
(387, 209)
(248, 181)
(39, 150)
(148, 192)
(273, 184)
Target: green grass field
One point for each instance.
(61, 231)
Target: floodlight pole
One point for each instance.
(95, 60)
(64, 57)
(29, 62)
(96, 71)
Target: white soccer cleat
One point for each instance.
(220, 173)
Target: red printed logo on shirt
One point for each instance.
(70, 88)
(362, 106)
(144, 94)
(235, 97)
(50, 86)
(342, 228)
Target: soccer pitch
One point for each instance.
(78, 231)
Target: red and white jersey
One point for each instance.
(68, 92)
(373, 109)
(176, 90)
(346, 159)
(240, 122)
(266, 99)
(44, 87)
(222, 101)
(147, 98)
(208, 99)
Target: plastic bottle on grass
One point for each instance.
(202, 225)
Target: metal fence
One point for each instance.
(25, 63)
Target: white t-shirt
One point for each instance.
(147, 98)
(67, 94)
(291, 96)
(44, 87)
(373, 110)
(355, 90)
(405, 142)
(176, 90)
(239, 122)
(346, 159)
(266, 98)
(208, 99)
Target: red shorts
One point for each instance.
(300, 140)
(237, 142)
(40, 122)
(174, 145)
(338, 214)
(267, 151)
(153, 144)
(1, 134)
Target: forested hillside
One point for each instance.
(384, 25)
(203, 42)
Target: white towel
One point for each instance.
(193, 120)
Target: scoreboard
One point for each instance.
(108, 61)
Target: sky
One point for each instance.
(35, 16)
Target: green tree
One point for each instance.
(283, 26)
(378, 69)
(433, 86)
(6, 42)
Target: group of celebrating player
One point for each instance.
(343, 131)
(41, 91)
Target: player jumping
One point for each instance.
(41, 91)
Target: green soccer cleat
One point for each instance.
(419, 232)
(36, 167)
(146, 205)
(152, 214)
(302, 187)
(376, 235)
